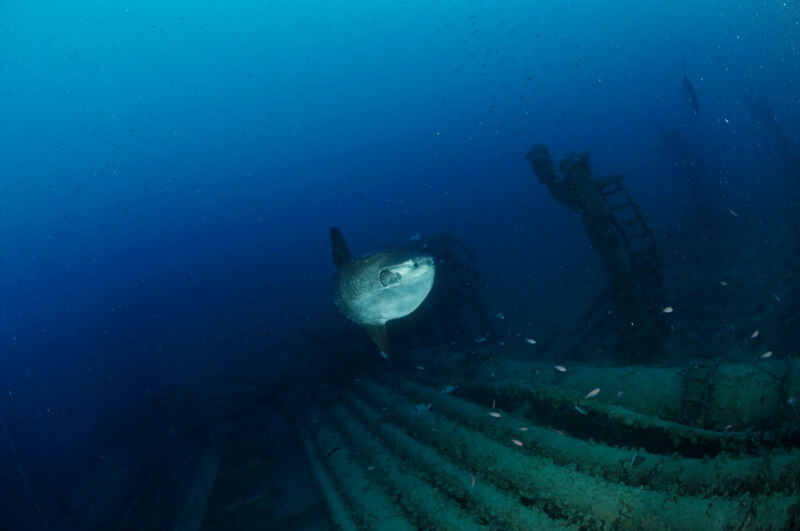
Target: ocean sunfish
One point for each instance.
(688, 92)
(379, 287)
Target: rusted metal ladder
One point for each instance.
(639, 241)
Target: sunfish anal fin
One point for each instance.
(378, 334)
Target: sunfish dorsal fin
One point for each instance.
(341, 253)
(378, 334)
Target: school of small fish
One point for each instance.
(636, 458)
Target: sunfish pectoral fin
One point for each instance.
(378, 334)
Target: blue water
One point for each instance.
(169, 172)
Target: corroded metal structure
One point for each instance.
(501, 444)
(621, 234)
(398, 453)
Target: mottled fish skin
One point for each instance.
(379, 287)
(368, 292)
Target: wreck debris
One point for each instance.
(621, 234)
(546, 477)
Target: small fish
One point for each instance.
(558, 432)
(733, 213)
(422, 407)
(729, 426)
(668, 309)
(522, 428)
(791, 400)
(620, 393)
(580, 410)
(655, 470)
(754, 335)
(473, 479)
(776, 297)
(636, 459)
(495, 414)
(517, 442)
(415, 237)
(560, 368)
(767, 354)
(531, 341)
(480, 340)
(500, 316)
(592, 393)
(494, 403)
(447, 389)
(723, 283)
(371, 468)
(420, 368)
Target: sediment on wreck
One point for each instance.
(563, 492)
(371, 507)
(474, 495)
(632, 465)
(711, 396)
